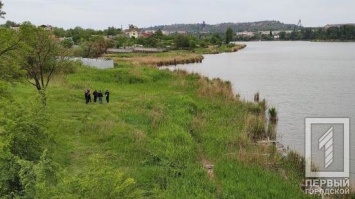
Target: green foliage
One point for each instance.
(229, 35)
(216, 39)
(79, 35)
(99, 180)
(154, 41)
(9, 24)
(2, 13)
(342, 33)
(43, 57)
(67, 43)
(222, 27)
(59, 32)
(11, 50)
(336, 33)
(122, 41)
(24, 164)
(94, 47)
(121, 75)
(9, 169)
(28, 179)
(282, 35)
(203, 44)
(273, 114)
(182, 42)
(24, 129)
(111, 31)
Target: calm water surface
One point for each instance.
(301, 79)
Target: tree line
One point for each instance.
(92, 43)
(341, 33)
(334, 33)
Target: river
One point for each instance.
(300, 79)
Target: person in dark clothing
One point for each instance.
(107, 94)
(87, 96)
(95, 93)
(99, 95)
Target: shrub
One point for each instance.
(273, 114)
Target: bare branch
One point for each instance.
(28, 80)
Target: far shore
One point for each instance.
(171, 57)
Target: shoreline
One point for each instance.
(171, 58)
(284, 149)
(288, 159)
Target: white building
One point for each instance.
(133, 31)
(245, 33)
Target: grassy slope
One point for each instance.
(160, 128)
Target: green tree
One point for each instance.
(182, 41)
(2, 13)
(9, 24)
(332, 33)
(95, 47)
(59, 32)
(229, 35)
(11, 48)
(158, 34)
(67, 42)
(121, 41)
(216, 39)
(79, 34)
(44, 57)
(111, 31)
(306, 33)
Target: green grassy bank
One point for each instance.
(163, 135)
(172, 57)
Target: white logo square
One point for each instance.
(325, 143)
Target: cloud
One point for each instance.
(101, 14)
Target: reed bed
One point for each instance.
(164, 59)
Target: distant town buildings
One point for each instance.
(47, 27)
(275, 34)
(15, 28)
(245, 33)
(133, 31)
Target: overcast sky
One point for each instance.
(144, 13)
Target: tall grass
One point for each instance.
(256, 97)
(159, 130)
(273, 114)
(158, 59)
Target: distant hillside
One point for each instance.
(222, 27)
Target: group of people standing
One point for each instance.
(97, 95)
